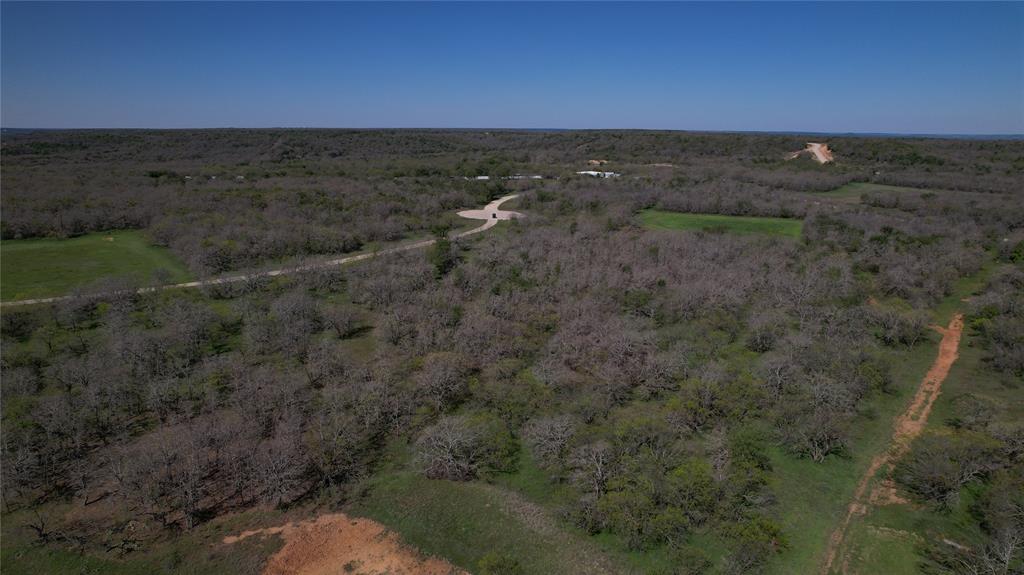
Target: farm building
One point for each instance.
(594, 174)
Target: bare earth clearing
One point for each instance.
(336, 543)
(491, 214)
(820, 151)
(907, 427)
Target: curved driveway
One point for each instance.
(491, 214)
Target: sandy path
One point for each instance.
(907, 426)
(336, 543)
(491, 214)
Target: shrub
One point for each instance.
(756, 539)
(465, 447)
(548, 438)
(495, 563)
(940, 463)
(897, 328)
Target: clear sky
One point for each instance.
(833, 67)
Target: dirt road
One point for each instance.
(820, 151)
(907, 427)
(491, 214)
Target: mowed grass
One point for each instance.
(50, 267)
(664, 220)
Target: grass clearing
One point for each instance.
(532, 483)
(665, 220)
(463, 521)
(50, 267)
(457, 521)
(853, 191)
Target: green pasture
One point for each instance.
(49, 267)
(665, 220)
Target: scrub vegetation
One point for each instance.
(570, 392)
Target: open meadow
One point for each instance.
(661, 220)
(34, 268)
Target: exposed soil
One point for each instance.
(820, 151)
(336, 543)
(907, 426)
(885, 493)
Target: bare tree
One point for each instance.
(548, 438)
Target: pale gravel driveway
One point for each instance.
(491, 214)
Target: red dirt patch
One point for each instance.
(885, 493)
(908, 426)
(336, 543)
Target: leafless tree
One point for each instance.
(548, 438)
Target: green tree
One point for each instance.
(442, 256)
(495, 563)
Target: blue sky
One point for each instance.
(833, 67)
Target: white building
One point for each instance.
(594, 174)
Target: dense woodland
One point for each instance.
(649, 372)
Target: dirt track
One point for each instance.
(820, 151)
(491, 214)
(907, 426)
(336, 543)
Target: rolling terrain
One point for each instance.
(723, 361)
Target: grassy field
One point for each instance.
(663, 220)
(464, 521)
(49, 267)
(853, 191)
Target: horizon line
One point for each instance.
(950, 135)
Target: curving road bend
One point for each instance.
(491, 214)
